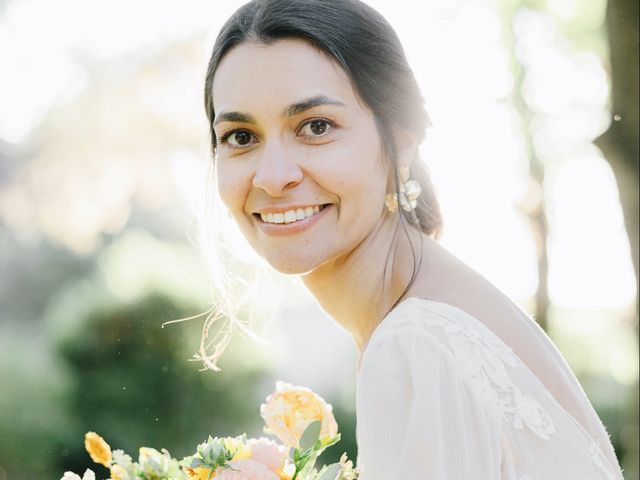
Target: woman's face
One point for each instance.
(299, 160)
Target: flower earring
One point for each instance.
(410, 190)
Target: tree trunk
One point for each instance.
(619, 144)
(620, 147)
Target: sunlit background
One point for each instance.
(103, 144)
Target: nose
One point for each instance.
(277, 171)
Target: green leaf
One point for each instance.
(331, 472)
(327, 442)
(310, 435)
(303, 462)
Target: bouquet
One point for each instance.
(298, 417)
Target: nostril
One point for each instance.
(276, 176)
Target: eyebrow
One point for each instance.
(309, 103)
(290, 111)
(233, 117)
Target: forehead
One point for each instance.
(281, 72)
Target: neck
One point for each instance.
(358, 289)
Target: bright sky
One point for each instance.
(475, 150)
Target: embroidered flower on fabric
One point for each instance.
(529, 413)
(483, 356)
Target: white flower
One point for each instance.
(88, 475)
(121, 458)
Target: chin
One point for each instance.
(292, 264)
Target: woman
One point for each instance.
(316, 119)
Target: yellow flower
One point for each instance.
(238, 448)
(289, 410)
(200, 473)
(287, 472)
(99, 450)
(240, 470)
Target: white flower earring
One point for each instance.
(410, 190)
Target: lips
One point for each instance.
(290, 215)
(281, 222)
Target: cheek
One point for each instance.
(233, 186)
(365, 202)
(359, 178)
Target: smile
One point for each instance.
(291, 216)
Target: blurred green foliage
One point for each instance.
(130, 380)
(133, 385)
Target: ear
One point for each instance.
(407, 144)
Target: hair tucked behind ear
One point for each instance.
(428, 208)
(368, 50)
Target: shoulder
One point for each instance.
(406, 326)
(456, 335)
(410, 365)
(434, 326)
(431, 344)
(423, 343)
(414, 344)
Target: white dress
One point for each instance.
(440, 397)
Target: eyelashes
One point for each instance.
(311, 129)
(237, 138)
(316, 127)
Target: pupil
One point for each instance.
(242, 138)
(318, 127)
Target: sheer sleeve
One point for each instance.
(418, 417)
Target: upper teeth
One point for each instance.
(290, 215)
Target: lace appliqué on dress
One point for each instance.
(483, 357)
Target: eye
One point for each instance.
(238, 138)
(315, 128)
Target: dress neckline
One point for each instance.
(391, 314)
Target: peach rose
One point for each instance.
(245, 470)
(268, 453)
(289, 410)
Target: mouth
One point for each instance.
(292, 215)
